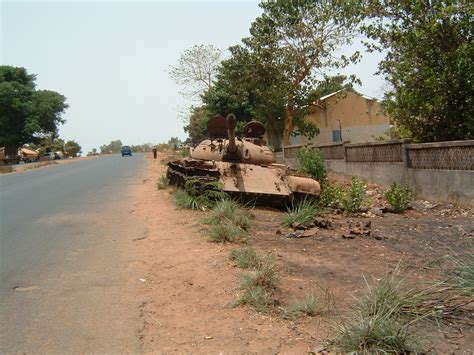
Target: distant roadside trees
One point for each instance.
(113, 147)
(27, 115)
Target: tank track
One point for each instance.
(181, 171)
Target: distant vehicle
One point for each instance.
(126, 150)
(49, 156)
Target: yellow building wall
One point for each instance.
(360, 119)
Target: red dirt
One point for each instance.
(190, 282)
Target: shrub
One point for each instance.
(312, 162)
(303, 213)
(355, 196)
(162, 182)
(246, 258)
(186, 201)
(332, 195)
(399, 196)
(309, 306)
(226, 233)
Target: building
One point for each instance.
(346, 116)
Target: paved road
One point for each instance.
(66, 234)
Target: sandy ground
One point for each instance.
(188, 282)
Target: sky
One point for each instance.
(111, 60)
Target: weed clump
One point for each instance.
(303, 213)
(226, 233)
(399, 196)
(245, 258)
(229, 211)
(382, 319)
(463, 274)
(310, 306)
(259, 285)
(163, 182)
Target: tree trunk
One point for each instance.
(288, 128)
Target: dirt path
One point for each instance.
(190, 283)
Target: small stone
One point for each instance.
(348, 236)
(376, 211)
(208, 338)
(278, 231)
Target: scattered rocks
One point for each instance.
(323, 223)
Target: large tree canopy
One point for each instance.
(429, 64)
(294, 43)
(26, 115)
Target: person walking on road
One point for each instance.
(153, 149)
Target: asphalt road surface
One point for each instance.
(66, 233)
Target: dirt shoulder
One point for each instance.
(190, 282)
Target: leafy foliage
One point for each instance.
(312, 162)
(27, 115)
(429, 64)
(332, 195)
(399, 196)
(355, 196)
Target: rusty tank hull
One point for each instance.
(244, 167)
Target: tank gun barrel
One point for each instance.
(232, 147)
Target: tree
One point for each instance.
(26, 115)
(429, 64)
(293, 44)
(196, 69)
(72, 148)
(197, 124)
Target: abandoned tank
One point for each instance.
(244, 166)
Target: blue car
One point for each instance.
(126, 150)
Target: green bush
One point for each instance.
(399, 196)
(312, 162)
(303, 213)
(354, 197)
(331, 196)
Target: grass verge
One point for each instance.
(303, 213)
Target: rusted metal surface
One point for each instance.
(244, 166)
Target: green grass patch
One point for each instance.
(184, 200)
(463, 274)
(310, 305)
(303, 213)
(229, 211)
(226, 233)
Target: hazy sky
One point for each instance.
(111, 59)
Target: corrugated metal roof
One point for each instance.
(338, 91)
